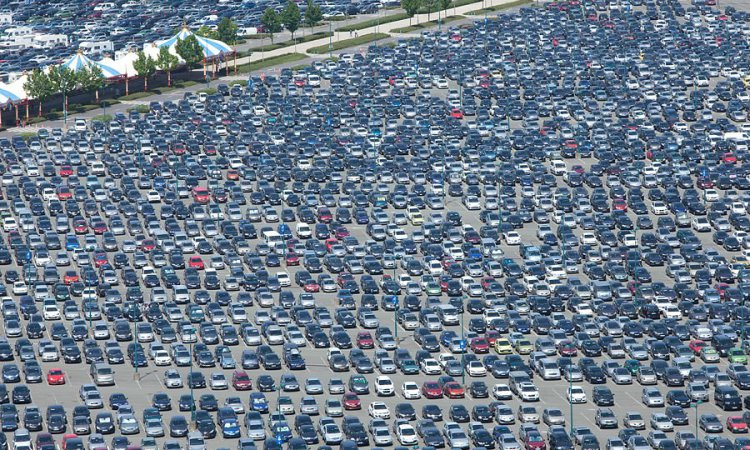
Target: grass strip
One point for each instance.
(268, 62)
(373, 22)
(491, 9)
(289, 43)
(424, 25)
(346, 43)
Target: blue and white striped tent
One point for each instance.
(79, 61)
(211, 47)
(7, 96)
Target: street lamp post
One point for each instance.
(135, 343)
(330, 40)
(463, 345)
(396, 307)
(695, 405)
(192, 396)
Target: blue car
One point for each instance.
(258, 402)
(230, 428)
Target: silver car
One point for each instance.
(129, 424)
(457, 439)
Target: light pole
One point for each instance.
(330, 40)
(570, 395)
(396, 306)
(463, 346)
(135, 341)
(695, 405)
(192, 396)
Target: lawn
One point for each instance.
(481, 12)
(289, 43)
(268, 62)
(346, 43)
(424, 25)
(373, 22)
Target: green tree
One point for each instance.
(190, 51)
(63, 81)
(271, 21)
(145, 66)
(313, 15)
(411, 7)
(291, 17)
(206, 31)
(38, 86)
(226, 31)
(91, 79)
(167, 62)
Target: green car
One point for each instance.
(433, 289)
(409, 367)
(737, 356)
(632, 365)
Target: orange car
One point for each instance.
(55, 377)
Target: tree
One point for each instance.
(411, 7)
(190, 51)
(443, 5)
(291, 17)
(91, 79)
(271, 21)
(206, 31)
(313, 15)
(145, 66)
(63, 80)
(38, 86)
(226, 31)
(167, 62)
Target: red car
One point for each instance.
(148, 244)
(63, 193)
(351, 401)
(365, 340)
(431, 389)
(80, 227)
(99, 227)
(233, 174)
(70, 277)
(492, 336)
(55, 377)
(454, 390)
(201, 195)
(696, 345)
(66, 171)
(325, 215)
(729, 158)
(533, 440)
(567, 348)
(100, 259)
(312, 286)
(736, 424)
(292, 259)
(195, 262)
(457, 113)
(341, 233)
(479, 345)
(241, 381)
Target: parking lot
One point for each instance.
(561, 186)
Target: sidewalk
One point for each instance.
(177, 94)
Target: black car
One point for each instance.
(186, 403)
(603, 396)
(432, 412)
(161, 401)
(405, 411)
(178, 426)
(482, 413)
(478, 389)
(459, 413)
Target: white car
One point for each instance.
(162, 358)
(430, 366)
(172, 379)
(410, 390)
(406, 434)
(528, 392)
(379, 410)
(576, 394)
(502, 392)
(384, 386)
(51, 312)
(476, 369)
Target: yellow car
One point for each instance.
(503, 347)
